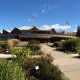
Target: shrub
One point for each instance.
(3, 46)
(69, 52)
(57, 44)
(78, 46)
(29, 49)
(39, 52)
(12, 42)
(34, 42)
(69, 45)
(10, 70)
(78, 51)
(33, 47)
(41, 69)
(9, 51)
(23, 52)
(72, 46)
(1, 50)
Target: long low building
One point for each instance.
(33, 33)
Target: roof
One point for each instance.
(53, 30)
(15, 31)
(34, 28)
(5, 32)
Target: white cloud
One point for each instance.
(8, 30)
(47, 27)
(55, 26)
(0, 31)
(25, 28)
(48, 7)
(75, 30)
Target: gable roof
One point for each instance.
(5, 32)
(34, 28)
(15, 31)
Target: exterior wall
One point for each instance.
(5, 37)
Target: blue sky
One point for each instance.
(49, 14)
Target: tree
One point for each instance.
(78, 31)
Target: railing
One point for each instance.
(35, 34)
(49, 35)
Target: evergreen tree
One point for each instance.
(78, 31)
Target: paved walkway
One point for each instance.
(7, 56)
(68, 64)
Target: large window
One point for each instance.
(26, 32)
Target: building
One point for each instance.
(33, 33)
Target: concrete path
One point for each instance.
(68, 64)
(7, 56)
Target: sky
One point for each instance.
(47, 14)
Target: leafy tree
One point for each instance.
(78, 31)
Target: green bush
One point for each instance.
(10, 70)
(33, 47)
(29, 49)
(69, 52)
(57, 44)
(78, 51)
(78, 46)
(23, 52)
(45, 70)
(3, 46)
(39, 52)
(71, 45)
(34, 42)
(10, 51)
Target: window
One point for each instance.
(26, 32)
